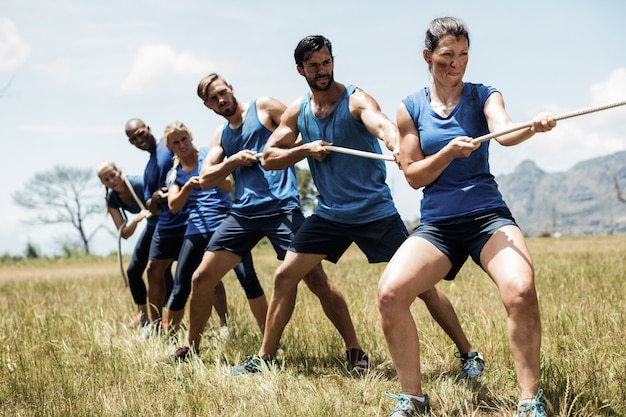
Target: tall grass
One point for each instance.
(65, 353)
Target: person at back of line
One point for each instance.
(119, 200)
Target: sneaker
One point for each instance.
(182, 354)
(532, 408)
(138, 321)
(357, 360)
(409, 407)
(252, 364)
(472, 364)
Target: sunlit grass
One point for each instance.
(65, 353)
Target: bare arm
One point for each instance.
(128, 229)
(284, 147)
(177, 196)
(154, 202)
(364, 108)
(419, 170)
(216, 168)
(498, 119)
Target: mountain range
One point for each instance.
(587, 199)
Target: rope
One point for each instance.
(349, 151)
(355, 152)
(120, 261)
(521, 126)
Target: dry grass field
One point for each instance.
(63, 351)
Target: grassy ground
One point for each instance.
(65, 353)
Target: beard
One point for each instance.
(229, 110)
(317, 87)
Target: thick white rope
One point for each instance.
(356, 152)
(526, 125)
(350, 151)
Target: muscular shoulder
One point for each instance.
(269, 104)
(361, 102)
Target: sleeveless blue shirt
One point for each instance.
(352, 189)
(154, 178)
(207, 208)
(114, 202)
(258, 192)
(466, 186)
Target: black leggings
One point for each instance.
(189, 259)
(137, 266)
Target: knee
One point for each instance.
(285, 281)
(154, 272)
(429, 296)
(200, 278)
(389, 300)
(522, 296)
(318, 283)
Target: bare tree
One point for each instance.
(64, 195)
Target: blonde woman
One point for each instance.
(207, 208)
(120, 200)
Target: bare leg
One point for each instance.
(173, 319)
(507, 261)
(442, 311)
(397, 289)
(333, 304)
(258, 306)
(220, 303)
(286, 279)
(212, 269)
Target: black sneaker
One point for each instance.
(357, 361)
(472, 364)
(183, 354)
(252, 364)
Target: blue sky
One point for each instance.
(73, 72)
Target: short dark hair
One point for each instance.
(205, 83)
(443, 26)
(308, 45)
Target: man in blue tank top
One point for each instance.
(354, 204)
(170, 228)
(266, 203)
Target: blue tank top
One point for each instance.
(154, 178)
(466, 186)
(352, 189)
(114, 202)
(258, 192)
(207, 208)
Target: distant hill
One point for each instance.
(584, 200)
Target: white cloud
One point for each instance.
(611, 90)
(156, 63)
(575, 139)
(13, 49)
